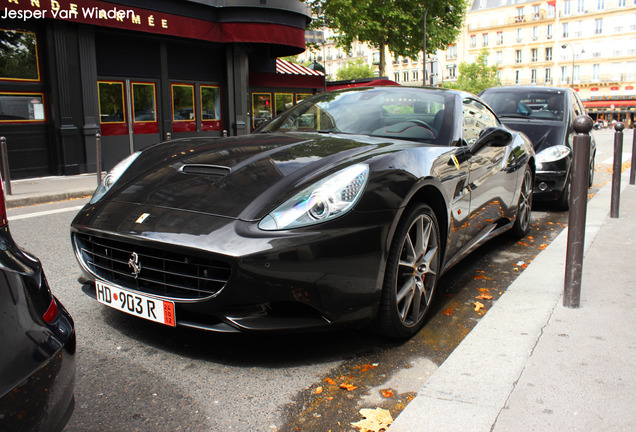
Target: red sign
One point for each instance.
(614, 88)
(100, 13)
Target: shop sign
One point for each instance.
(125, 17)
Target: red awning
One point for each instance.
(289, 68)
(609, 103)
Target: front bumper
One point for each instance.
(296, 280)
(551, 178)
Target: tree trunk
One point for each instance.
(382, 66)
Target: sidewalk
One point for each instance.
(48, 189)
(532, 364)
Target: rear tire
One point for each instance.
(411, 273)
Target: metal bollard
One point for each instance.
(632, 174)
(168, 136)
(98, 152)
(616, 170)
(578, 209)
(6, 175)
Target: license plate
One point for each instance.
(149, 308)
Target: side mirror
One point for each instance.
(494, 137)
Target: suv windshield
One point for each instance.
(536, 104)
(413, 114)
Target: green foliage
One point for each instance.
(355, 69)
(477, 76)
(395, 25)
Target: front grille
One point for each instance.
(161, 272)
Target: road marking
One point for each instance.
(44, 213)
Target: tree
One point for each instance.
(396, 25)
(355, 69)
(477, 76)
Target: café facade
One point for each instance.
(138, 72)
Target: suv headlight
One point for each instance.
(327, 199)
(113, 175)
(552, 154)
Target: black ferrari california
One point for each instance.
(347, 208)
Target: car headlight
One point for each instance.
(325, 200)
(552, 154)
(113, 175)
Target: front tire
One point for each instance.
(411, 273)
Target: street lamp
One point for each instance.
(564, 46)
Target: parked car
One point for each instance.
(546, 115)
(37, 362)
(347, 208)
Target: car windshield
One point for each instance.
(523, 104)
(404, 113)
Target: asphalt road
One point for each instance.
(140, 376)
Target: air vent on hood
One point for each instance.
(201, 169)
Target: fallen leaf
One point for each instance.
(484, 297)
(366, 367)
(483, 290)
(388, 393)
(482, 277)
(348, 387)
(375, 420)
(543, 246)
(448, 312)
(318, 390)
(478, 306)
(330, 381)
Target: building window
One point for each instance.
(22, 107)
(282, 101)
(452, 71)
(519, 35)
(111, 102)
(621, 3)
(600, 5)
(499, 57)
(598, 26)
(535, 54)
(396, 77)
(566, 8)
(548, 54)
(517, 76)
(548, 76)
(144, 102)
(533, 76)
(473, 41)
(551, 10)
(536, 12)
(302, 96)
(451, 52)
(406, 76)
(549, 31)
(566, 30)
(577, 72)
(500, 38)
(596, 72)
(535, 33)
(518, 57)
(182, 102)
(416, 75)
(565, 77)
(519, 17)
(211, 107)
(18, 56)
(485, 35)
(580, 6)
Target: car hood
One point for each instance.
(241, 177)
(543, 134)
